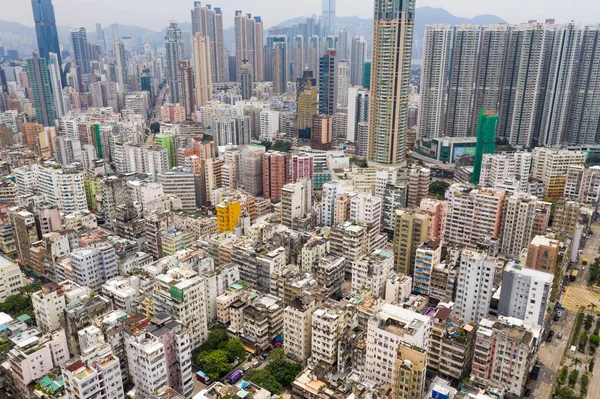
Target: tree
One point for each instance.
(266, 144)
(214, 340)
(216, 364)
(265, 379)
(576, 362)
(16, 305)
(277, 355)
(565, 393)
(438, 188)
(235, 349)
(155, 127)
(281, 145)
(31, 288)
(285, 372)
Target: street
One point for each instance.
(549, 356)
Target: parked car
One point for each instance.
(550, 335)
(527, 393)
(559, 335)
(556, 317)
(256, 364)
(535, 372)
(246, 369)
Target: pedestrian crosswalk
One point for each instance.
(572, 308)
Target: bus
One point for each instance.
(235, 376)
(574, 274)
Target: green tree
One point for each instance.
(585, 380)
(265, 379)
(30, 289)
(438, 188)
(216, 364)
(573, 377)
(266, 144)
(155, 127)
(281, 145)
(235, 349)
(214, 340)
(277, 355)
(16, 305)
(565, 392)
(285, 372)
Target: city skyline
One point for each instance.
(75, 15)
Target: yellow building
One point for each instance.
(228, 213)
(411, 229)
(174, 240)
(409, 378)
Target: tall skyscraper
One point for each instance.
(486, 140)
(202, 62)
(55, 83)
(358, 110)
(434, 74)
(462, 81)
(328, 83)
(174, 47)
(45, 31)
(100, 37)
(299, 59)
(187, 95)
(209, 23)
(279, 63)
(313, 54)
(343, 83)
(392, 50)
(39, 79)
(559, 89)
(121, 63)
(343, 44)
(80, 50)
(246, 80)
(249, 43)
(367, 75)
(308, 104)
(490, 65)
(584, 124)
(358, 54)
(328, 16)
(524, 82)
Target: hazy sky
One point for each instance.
(155, 14)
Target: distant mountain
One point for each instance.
(23, 37)
(357, 26)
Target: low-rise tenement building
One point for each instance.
(451, 343)
(390, 328)
(263, 320)
(34, 355)
(297, 328)
(504, 354)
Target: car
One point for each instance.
(583, 268)
(245, 370)
(527, 393)
(559, 335)
(564, 289)
(550, 335)
(256, 364)
(556, 317)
